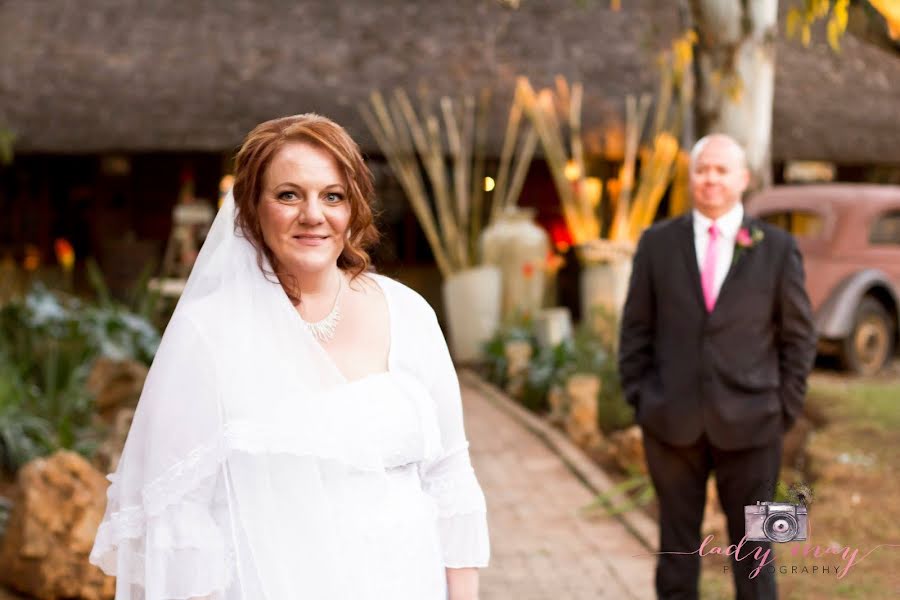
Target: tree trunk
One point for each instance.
(735, 75)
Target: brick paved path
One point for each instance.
(542, 549)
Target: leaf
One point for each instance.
(805, 36)
(95, 276)
(623, 487)
(645, 495)
(841, 15)
(833, 34)
(890, 10)
(792, 22)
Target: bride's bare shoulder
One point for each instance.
(366, 283)
(399, 294)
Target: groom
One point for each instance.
(716, 344)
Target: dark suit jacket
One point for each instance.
(738, 373)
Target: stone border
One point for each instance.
(587, 471)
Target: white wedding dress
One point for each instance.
(255, 471)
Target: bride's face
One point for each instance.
(304, 210)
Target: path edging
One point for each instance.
(641, 526)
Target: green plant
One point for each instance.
(48, 343)
(142, 300)
(597, 343)
(613, 412)
(23, 435)
(5, 509)
(590, 350)
(547, 369)
(495, 363)
(638, 491)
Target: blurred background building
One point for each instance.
(118, 107)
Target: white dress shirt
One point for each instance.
(728, 226)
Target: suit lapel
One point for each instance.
(738, 259)
(689, 253)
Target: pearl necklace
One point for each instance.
(324, 329)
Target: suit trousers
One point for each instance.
(680, 475)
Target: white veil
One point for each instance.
(241, 466)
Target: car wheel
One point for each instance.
(871, 341)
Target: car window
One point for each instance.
(886, 229)
(801, 223)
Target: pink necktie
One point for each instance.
(708, 276)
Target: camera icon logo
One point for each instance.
(775, 522)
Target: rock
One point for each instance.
(581, 422)
(115, 384)
(627, 449)
(518, 355)
(6, 594)
(106, 458)
(559, 405)
(56, 511)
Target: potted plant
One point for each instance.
(452, 207)
(604, 247)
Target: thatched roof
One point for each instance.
(133, 75)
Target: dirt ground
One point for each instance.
(853, 468)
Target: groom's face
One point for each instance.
(718, 177)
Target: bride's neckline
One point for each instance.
(376, 278)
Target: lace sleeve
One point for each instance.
(450, 479)
(161, 535)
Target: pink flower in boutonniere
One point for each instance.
(746, 238)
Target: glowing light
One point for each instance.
(32, 259)
(65, 254)
(572, 170)
(225, 183)
(593, 189)
(489, 184)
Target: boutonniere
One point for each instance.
(747, 237)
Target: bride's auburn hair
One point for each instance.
(254, 157)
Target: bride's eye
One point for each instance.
(334, 197)
(287, 196)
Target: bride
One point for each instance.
(300, 432)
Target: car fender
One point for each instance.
(834, 320)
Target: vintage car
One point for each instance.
(849, 235)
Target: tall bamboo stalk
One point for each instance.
(398, 149)
(481, 129)
(553, 116)
(638, 194)
(413, 143)
(635, 116)
(679, 200)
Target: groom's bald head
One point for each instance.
(718, 174)
(724, 143)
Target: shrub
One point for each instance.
(48, 344)
(591, 350)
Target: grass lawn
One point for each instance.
(854, 466)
